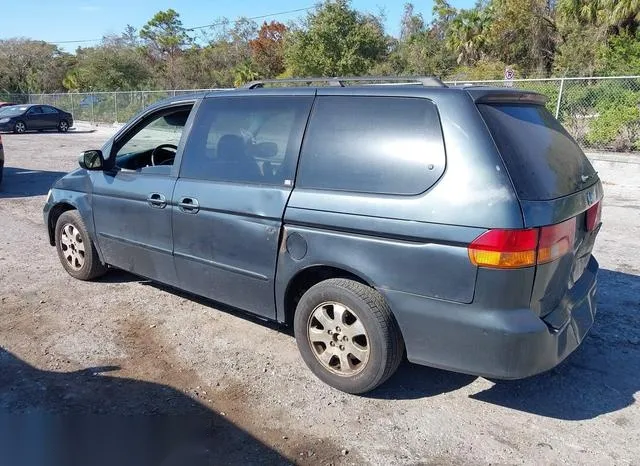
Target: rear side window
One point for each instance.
(384, 145)
(543, 160)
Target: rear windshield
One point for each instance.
(543, 160)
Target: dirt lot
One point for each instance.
(236, 388)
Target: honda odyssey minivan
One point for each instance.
(452, 226)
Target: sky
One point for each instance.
(77, 20)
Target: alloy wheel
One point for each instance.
(338, 339)
(72, 246)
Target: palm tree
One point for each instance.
(622, 13)
(584, 11)
(610, 13)
(467, 34)
(244, 74)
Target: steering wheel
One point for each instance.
(164, 147)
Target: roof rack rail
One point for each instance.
(340, 82)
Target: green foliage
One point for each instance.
(110, 66)
(483, 69)
(32, 66)
(164, 33)
(337, 41)
(617, 128)
(620, 56)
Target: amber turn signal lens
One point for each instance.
(505, 249)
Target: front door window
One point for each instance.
(154, 142)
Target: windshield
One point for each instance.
(543, 160)
(13, 110)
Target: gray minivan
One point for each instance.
(453, 225)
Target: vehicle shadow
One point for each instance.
(83, 130)
(87, 417)
(122, 276)
(602, 376)
(24, 182)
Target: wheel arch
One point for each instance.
(309, 276)
(54, 214)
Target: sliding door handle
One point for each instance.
(189, 205)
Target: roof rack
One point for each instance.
(340, 82)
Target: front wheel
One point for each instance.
(347, 335)
(76, 251)
(63, 126)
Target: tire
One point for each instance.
(20, 127)
(76, 251)
(353, 365)
(63, 126)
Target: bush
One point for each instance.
(617, 128)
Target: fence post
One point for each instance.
(93, 115)
(115, 105)
(559, 97)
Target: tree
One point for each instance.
(411, 23)
(267, 50)
(420, 49)
(112, 65)
(467, 34)
(164, 34)
(32, 66)
(523, 33)
(336, 41)
(165, 39)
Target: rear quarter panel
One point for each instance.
(412, 244)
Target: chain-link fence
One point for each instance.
(106, 107)
(601, 113)
(14, 98)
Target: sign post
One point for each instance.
(509, 74)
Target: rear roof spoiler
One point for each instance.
(485, 95)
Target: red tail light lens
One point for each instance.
(593, 216)
(510, 249)
(556, 240)
(505, 249)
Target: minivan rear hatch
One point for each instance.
(558, 189)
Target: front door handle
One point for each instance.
(157, 200)
(189, 205)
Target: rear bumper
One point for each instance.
(497, 343)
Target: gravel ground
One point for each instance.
(235, 387)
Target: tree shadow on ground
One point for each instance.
(24, 182)
(86, 417)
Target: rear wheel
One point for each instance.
(76, 251)
(347, 335)
(63, 126)
(20, 127)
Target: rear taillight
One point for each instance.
(505, 248)
(556, 240)
(510, 249)
(593, 216)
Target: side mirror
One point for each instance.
(91, 160)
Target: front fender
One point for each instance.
(72, 191)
